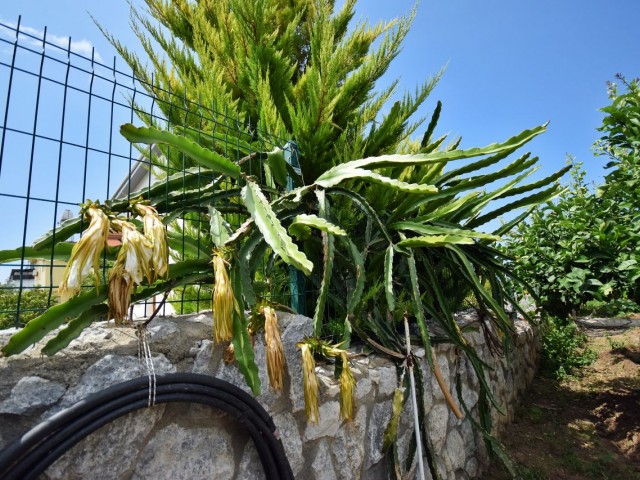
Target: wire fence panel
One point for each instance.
(60, 146)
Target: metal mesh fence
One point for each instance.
(60, 145)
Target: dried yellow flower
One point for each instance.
(135, 253)
(156, 234)
(223, 301)
(119, 297)
(310, 381)
(130, 268)
(274, 349)
(347, 387)
(85, 255)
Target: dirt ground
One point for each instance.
(584, 427)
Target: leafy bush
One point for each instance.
(32, 303)
(585, 245)
(616, 308)
(563, 350)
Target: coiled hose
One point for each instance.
(32, 454)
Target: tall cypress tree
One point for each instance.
(295, 68)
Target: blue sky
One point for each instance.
(511, 64)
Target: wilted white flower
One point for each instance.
(132, 265)
(156, 234)
(135, 253)
(85, 255)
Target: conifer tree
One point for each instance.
(295, 68)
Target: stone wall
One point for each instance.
(184, 441)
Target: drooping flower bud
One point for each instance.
(347, 387)
(85, 255)
(223, 301)
(131, 267)
(156, 234)
(119, 295)
(310, 381)
(274, 349)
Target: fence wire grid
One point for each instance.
(60, 145)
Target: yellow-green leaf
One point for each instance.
(205, 157)
(271, 228)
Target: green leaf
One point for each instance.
(61, 232)
(435, 241)
(391, 432)
(220, 229)
(274, 233)
(55, 316)
(420, 159)
(207, 158)
(185, 244)
(439, 230)
(418, 308)
(447, 208)
(388, 278)
(278, 166)
(364, 206)
(358, 263)
(244, 262)
(534, 199)
(507, 227)
(242, 349)
(73, 329)
(328, 249)
(344, 171)
(317, 222)
(195, 178)
(426, 139)
(495, 444)
(61, 251)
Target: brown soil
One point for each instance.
(584, 427)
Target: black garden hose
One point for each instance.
(35, 451)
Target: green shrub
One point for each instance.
(616, 308)
(563, 350)
(32, 303)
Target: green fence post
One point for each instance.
(296, 277)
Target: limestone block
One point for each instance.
(379, 418)
(348, 446)
(111, 451)
(454, 452)
(469, 395)
(322, 464)
(329, 423)
(289, 433)
(250, 467)
(32, 393)
(203, 356)
(181, 453)
(107, 371)
(388, 381)
(363, 387)
(437, 419)
(472, 468)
